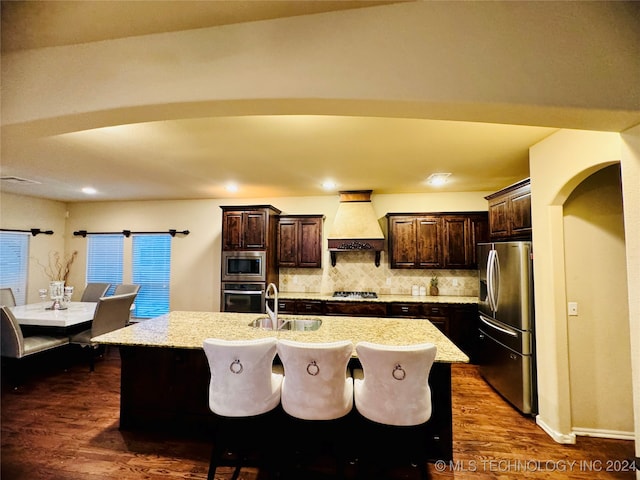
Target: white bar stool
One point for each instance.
(392, 392)
(243, 390)
(318, 391)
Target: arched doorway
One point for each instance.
(598, 336)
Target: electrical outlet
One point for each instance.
(454, 282)
(573, 309)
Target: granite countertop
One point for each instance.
(381, 298)
(189, 329)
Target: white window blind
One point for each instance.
(14, 258)
(104, 260)
(151, 270)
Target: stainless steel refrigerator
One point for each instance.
(506, 347)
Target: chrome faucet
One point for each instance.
(273, 314)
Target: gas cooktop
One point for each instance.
(355, 294)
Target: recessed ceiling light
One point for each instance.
(232, 187)
(329, 185)
(438, 179)
(89, 190)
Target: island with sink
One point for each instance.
(165, 374)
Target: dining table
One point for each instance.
(39, 317)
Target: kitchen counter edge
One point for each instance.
(189, 329)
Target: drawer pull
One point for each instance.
(404, 309)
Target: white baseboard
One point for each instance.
(603, 433)
(557, 436)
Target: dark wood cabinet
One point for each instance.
(510, 212)
(300, 241)
(356, 309)
(286, 306)
(438, 314)
(300, 307)
(456, 232)
(248, 228)
(439, 240)
(414, 241)
(463, 328)
(459, 322)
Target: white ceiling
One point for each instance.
(266, 155)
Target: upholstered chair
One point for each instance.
(244, 390)
(112, 313)
(123, 288)
(392, 393)
(317, 385)
(317, 392)
(15, 346)
(7, 298)
(94, 291)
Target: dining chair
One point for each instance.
(111, 314)
(7, 298)
(317, 392)
(94, 291)
(123, 288)
(15, 346)
(392, 393)
(244, 391)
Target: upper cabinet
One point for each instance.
(249, 228)
(435, 240)
(510, 212)
(300, 241)
(414, 241)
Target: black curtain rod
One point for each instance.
(127, 233)
(32, 231)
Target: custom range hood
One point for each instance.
(355, 227)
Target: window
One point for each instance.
(151, 270)
(104, 260)
(14, 257)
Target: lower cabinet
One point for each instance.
(300, 307)
(456, 321)
(356, 309)
(459, 322)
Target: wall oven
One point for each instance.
(244, 266)
(243, 297)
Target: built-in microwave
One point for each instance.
(244, 266)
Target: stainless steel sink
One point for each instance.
(298, 324)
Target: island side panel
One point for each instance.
(167, 389)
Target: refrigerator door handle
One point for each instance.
(490, 323)
(491, 280)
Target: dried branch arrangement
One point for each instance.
(58, 265)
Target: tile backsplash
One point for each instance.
(356, 271)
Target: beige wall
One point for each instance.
(23, 213)
(558, 165)
(596, 276)
(195, 266)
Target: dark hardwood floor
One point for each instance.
(62, 423)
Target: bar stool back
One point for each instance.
(392, 391)
(316, 385)
(317, 394)
(242, 391)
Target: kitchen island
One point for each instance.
(165, 374)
